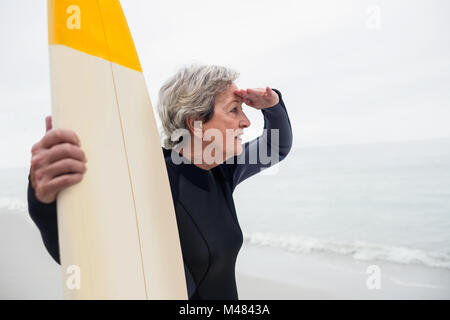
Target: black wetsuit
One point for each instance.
(209, 230)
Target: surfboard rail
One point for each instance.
(117, 228)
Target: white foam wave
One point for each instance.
(13, 204)
(359, 250)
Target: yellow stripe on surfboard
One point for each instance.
(95, 27)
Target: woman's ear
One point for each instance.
(190, 124)
(195, 127)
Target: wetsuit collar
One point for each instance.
(196, 175)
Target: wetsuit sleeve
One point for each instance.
(44, 216)
(266, 150)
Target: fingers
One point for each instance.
(248, 102)
(56, 153)
(249, 93)
(254, 96)
(257, 98)
(48, 123)
(57, 136)
(63, 182)
(62, 167)
(47, 192)
(241, 93)
(48, 179)
(66, 150)
(245, 94)
(57, 162)
(256, 92)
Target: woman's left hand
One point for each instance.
(259, 98)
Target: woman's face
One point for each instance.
(227, 124)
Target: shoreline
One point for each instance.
(271, 273)
(28, 272)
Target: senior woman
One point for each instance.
(202, 120)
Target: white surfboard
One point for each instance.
(118, 234)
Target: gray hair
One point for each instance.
(191, 92)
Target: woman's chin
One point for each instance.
(238, 149)
(234, 149)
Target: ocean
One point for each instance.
(383, 202)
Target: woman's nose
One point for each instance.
(245, 123)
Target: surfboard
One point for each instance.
(117, 228)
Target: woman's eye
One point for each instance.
(234, 110)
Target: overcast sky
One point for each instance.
(350, 71)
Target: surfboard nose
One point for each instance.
(95, 27)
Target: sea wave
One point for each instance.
(359, 250)
(13, 204)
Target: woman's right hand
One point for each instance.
(57, 162)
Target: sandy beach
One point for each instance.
(270, 273)
(254, 288)
(28, 272)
